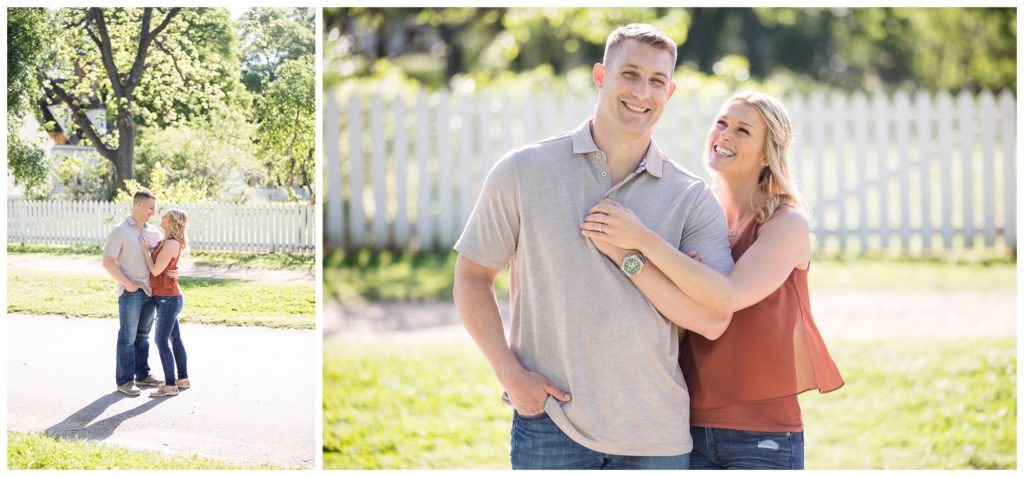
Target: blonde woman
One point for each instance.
(755, 345)
(169, 301)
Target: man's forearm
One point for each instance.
(478, 310)
(116, 273)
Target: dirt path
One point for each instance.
(253, 396)
(850, 314)
(79, 264)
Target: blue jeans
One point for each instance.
(717, 448)
(537, 443)
(135, 314)
(168, 336)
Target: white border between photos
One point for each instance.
(319, 5)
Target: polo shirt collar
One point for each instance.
(134, 223)
(583, 143)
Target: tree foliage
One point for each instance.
(206, 157)
(847, 48)
(273, 36)
(28, 37)
(286, 114)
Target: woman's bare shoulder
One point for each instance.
(788, 221)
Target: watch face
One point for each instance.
(631, 265)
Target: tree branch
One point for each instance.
(174, 60)
(145, 39)
(81, 120)
(103, 42)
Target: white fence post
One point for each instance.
(424, 216)
(1008, 134)
(356, 216)
(378, 172)
(334, 222)
(944, 104)
(987, 137)
(401, 173)
(445, 172)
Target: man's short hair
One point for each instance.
(142, 195)
(643, 33)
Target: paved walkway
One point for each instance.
(80, 264)
(253, 397)
(849, 314)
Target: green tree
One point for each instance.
(28, 37)
(802, 48)
(286, 117)
(146, 66)
(273, 36)
(207, 157)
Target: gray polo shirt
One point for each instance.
(123, 245)
(576, 318)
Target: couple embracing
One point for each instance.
(143, 259)
(657, 322)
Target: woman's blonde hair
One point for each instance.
(178, 222)
(774, 178)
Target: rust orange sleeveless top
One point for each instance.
(161, 284)
(748, 378)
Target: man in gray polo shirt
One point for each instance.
(123, 260)
(590, 366)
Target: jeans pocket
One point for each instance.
(534, 417)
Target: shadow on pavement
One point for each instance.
(77, 425)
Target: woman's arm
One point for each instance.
(674, 305)
(169, 250)
(783, 244)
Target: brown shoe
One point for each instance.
(149, 380)
(129, 389)
(164, 391)
(182, 383)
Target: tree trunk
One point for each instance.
(124, 159)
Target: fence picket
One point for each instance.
(334, 220)
(987, 139)
(924, 104)
(1008, 135)
(944, 104)
(860, 138)
(424, 217)
(880, 107)
(356, 216)
(465, 168)
(401, 152)
(444, 151)
(965, 115)
(378, 172)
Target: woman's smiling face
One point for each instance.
(736, 140)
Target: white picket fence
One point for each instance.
(909, 173)
(280, 228)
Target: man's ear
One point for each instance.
(671, 89)
(599, 75)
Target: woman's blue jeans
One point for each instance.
(168, 337)
(717, 448)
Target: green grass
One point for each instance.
(207, 300)
(392, 276)
(263, 261)
(410, 277)
(420, 407)
(40, 451)
(935, 404)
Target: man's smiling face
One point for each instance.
(633, 87)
